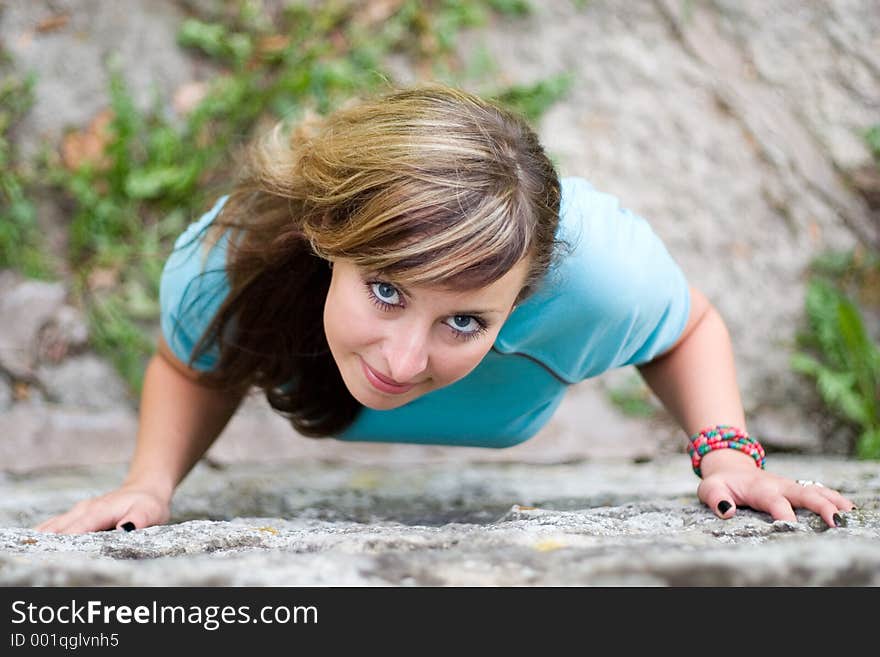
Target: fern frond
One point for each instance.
(837, 391)
(805, 364)
(861, 356)
(821, 306)
(868, 445)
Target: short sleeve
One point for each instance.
(190, 292)
(618, 298)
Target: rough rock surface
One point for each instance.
(609, 523)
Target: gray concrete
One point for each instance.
(604, 523)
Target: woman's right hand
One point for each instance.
(139, 506)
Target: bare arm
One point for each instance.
(696, 381)
(179, 420)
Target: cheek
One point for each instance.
(457, 361)
(347, 319)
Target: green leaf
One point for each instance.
(215, 40)
(805, 364)
(139, 303)
(872, 136)
(533, 100)
(868, 445)
(821, 305)
(151, 183)
(861, 354)
(836, 389)
(511, 7)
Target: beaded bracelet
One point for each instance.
(721, 436)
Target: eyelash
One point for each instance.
(460, 335)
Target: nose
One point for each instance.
(406, 352)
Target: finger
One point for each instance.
(44, 526)
(96, 520)
(133, 519)
(144, 514)
(60, 523)
(717, 497)
(816, 499)
(57, 524)
(780, 509)
(835, 498)
(53, 524)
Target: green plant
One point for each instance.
(845, 362)
(633, 398)
(20, 243)
(533, 100)
(114, 335)
(872, 137)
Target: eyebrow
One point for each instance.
(458, 312)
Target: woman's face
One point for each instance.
(423, 338)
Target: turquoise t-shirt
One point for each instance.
(618, 299)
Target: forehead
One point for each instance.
(511, 281)
(508, 285)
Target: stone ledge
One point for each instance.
(324, 524)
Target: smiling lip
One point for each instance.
(382, 383)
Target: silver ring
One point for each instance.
(810, 482)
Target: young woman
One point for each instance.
(411, 269)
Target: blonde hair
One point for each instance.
(428, 185)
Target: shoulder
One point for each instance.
(608, 292)
(613, 256)
(191, 257)
(196, 230)
(192, 286)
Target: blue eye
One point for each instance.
(386, 292)
(462, 322)
(382, 294)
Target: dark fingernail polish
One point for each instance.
(838, 521)
(129, 526)
(723, 506)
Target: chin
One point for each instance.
(378, 403)
(383, 405)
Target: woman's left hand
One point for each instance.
(771, 493)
